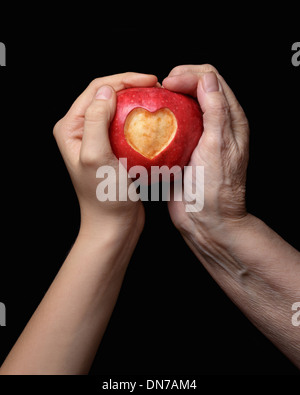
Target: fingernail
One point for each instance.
(104, 93)
(210, 82)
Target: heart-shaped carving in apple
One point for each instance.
(155, 127)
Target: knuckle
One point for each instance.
(97, 111)
(206, 68)
(93, 157)
(202, 68)
(57, 128)
(219, 106)
(129, 74)
(88, 158)
(242, 116)
(179, 69)
(95, 82)
(244, 123)
(221, 110)
(214, 142)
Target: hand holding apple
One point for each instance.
(222, 151)
(83, 138)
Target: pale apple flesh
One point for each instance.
(149, 133)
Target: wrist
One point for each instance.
(231, 233)
(110, 246)
(224, 233)
(226, 244)
(244, 249)
(125, 225)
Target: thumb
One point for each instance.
(213, 102)
(95, 140)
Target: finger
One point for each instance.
(181, 80)
(117, 82)
(184, 83)
(216, 110)
(184, 78)
(95, 141)
(208, 89)
(193, 68)
(70, 127)
(239, 122)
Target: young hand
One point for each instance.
(82, 137)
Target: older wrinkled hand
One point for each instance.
(222, 151)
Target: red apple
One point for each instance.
(155, 127)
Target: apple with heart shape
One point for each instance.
(155, 127)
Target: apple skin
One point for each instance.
(189, 126)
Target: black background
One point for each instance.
(171, 317)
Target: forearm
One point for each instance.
(64, 333)
(260, 272)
